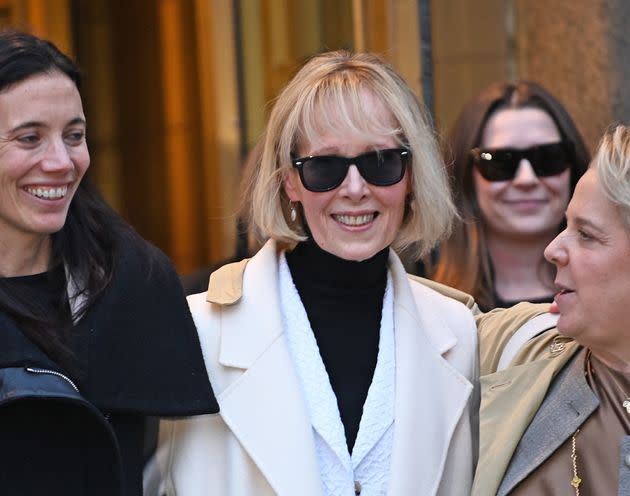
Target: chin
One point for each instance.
(350, 256)
(355, 255)
(50, 227)
(566, 327)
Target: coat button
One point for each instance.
(627, 460)
(357, 488)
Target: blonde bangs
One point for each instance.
(343, 103)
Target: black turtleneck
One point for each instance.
(343, 300)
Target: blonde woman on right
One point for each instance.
(555, 419)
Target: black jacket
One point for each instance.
(138, 356)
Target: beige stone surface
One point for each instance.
(578, 50)
(470, 50)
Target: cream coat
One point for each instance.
(262, 441)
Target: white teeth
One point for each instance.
(354, 220)
(48, 193)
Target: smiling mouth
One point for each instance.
(526, 203)
(355, 220)
(48, 193)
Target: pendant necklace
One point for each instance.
(576, 481)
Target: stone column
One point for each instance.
(580, 51)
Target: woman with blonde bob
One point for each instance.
(322, 98)
(336, 373)
(555, 416)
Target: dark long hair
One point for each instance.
(87, 244)
(464, 261)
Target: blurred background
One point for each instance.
(177, 91)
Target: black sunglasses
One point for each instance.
(501, 164)
(326, 172)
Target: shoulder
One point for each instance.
(248, 279)
(445, 314)
(227, 318)
(448, 321)
(139, 259)
(143, 274)
(225, 289)
(143, 321)
(229, 283)
(203, 311)
(453, 307)
(430, 292)
(143, 277)
(527, 328)
(447, 292)
(205, 316)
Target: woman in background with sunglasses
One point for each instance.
(515, 156)
(335, 372)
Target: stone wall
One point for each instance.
(580, 51)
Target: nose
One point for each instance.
(57, 157)
(525, 175)
(556, 252)
(354, 186)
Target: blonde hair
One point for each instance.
(612, 164)
(327, 94)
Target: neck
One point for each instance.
(313, 265)
(617, 359)
(25, 256)
(520, 271)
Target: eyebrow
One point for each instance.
(583, 221)
(28, 124)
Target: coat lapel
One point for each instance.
(264, 406)
(566, 407)
(430, 394)
(509, 401)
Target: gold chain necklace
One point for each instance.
(576, 481)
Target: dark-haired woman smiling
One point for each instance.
(515, 156)
(95, 335)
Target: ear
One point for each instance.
(291, 187)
